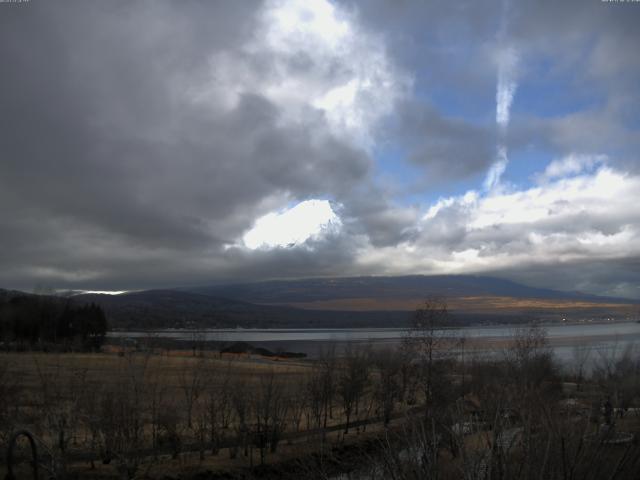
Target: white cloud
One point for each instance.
(505, 91)
(571, 165)
(605, 190)
(492, 180)
(98, 292)
(586, 217)
(507, 85)
(307, 220)
(467, 199)
(310, 55)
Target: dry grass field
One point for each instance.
(483, 304)
(29, 369)
(173, 414)
(163, 410)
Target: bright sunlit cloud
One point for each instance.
(308, 219)
(91, 292)
(576, 216)
(320, 59)
(104, 292)
(572, 164)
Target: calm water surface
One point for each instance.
(602, 338)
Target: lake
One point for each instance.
(601, 339)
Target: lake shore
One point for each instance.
(562, 338)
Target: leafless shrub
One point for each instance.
(353, 380)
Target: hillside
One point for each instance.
(463, 292)
(180, 309)
(348, 302)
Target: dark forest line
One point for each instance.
(41, 321)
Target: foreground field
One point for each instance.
(405, 413)
(108, 413)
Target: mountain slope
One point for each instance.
(348, 302)
(381, 288)
(179, 309)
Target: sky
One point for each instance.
(153, 144)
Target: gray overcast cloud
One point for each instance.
(141, 142)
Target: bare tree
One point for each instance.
(9, 399)
(315, 394)
(217, 406)
(191, 382)
(327, 363)
(618, 374)
(353, 379)
(529, 360)
(157, 402)
(269, 408)
(298, 401)
(580, 354)
(409, 454)
(239, 397)
(425, 341)
(387, 383)
(60, 392)
(122, 415)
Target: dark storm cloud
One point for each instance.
(140, 140)
(447, 148)
(369, 212)
(444, 42)
(107, 163)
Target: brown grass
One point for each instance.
(479, 304)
